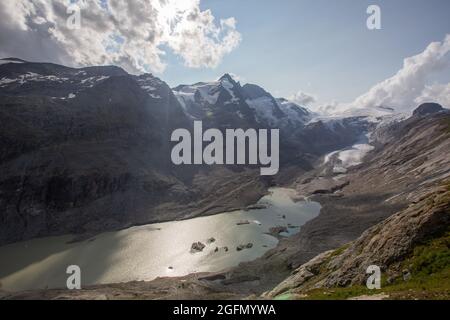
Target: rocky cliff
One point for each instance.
(88, 150)
(388, 245)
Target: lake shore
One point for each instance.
(158, 250)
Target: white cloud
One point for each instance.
(133, 34)
(303, 98)
(328, 108)
(408, 86)
(234, 76)
(439, 93)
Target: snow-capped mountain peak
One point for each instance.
(203, 99)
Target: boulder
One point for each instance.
(197, 247)
(244, 246)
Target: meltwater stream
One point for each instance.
(154, 250)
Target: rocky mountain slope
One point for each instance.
(226, 104)
(389, 245)
(88, 150)
(248, 105)
(409, 159)
(392, 210)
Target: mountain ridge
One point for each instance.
(88, 150)
(400, 232)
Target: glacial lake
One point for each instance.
(154, 250)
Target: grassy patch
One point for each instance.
(340, 250)
(429, 265)
(430, 258)
(339, 293)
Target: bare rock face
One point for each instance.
(427, 108)
(390, 241)
(88, 150)
(322, 185)
(301, 275)
(384, 245)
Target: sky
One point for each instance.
(323, 47)
(317, 52)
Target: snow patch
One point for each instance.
(354, 156)
(263, 106)
(229, 87)
(208, 92)
(149, 84)
(91, 81)
(6, 61)
(349, 157)
(31, 76)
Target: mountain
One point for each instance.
(87, 150)
(428, 108)
(226, 104)
(410, 247)
(249, 105)
(218, 104)
(378, 212)
(392, 211)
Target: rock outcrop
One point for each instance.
(427, 108)
(385, 245)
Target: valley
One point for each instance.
(86, 176)
(156, 250)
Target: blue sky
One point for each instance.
(319, 47)
(322, 47)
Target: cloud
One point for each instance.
(439, 93)
(303, 98)
(234, 76)
(133, 34)
(402, 89)
(408, 86)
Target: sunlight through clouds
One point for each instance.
(133, 34)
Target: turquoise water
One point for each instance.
(154, 250)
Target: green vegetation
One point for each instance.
(431, 258)
(429, 265)
(340, 250)
(335, 253)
